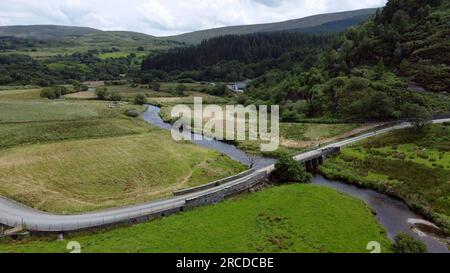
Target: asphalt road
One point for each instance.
(14, 214)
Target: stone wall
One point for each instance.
(213, 184)
(222, 193)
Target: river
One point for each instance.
(393, 214)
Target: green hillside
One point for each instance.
(49, 40)
(308, 24)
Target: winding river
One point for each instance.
(393, 214)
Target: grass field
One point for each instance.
(12, 134)
(45, 110)
(21, 94)
(128, 92)
(70, 156)
(82, 175)
(311, 131)
(413, 166)
(290, 218)
(294, 137)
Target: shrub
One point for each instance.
(407, 244)
(180, 89)
(155, 86)
(54, 92)
(289, 170)
(140, 99)
(116, 97)
(102, 93)
(132, 113)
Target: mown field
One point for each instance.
(290, 218)
(69, 156)
(83, 175)
(410, 165)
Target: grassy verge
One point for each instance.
(411, 166)
(290, 218)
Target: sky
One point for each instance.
(167, 17)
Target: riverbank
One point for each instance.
(409, 166)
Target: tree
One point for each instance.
(180, 89)
(54, 92)
(49, 93)
(418, 115)
(288, 169)
(102, 93)
(379, 70)
(401, 21)
(219, 90)
(407, 244)
(155, 86)
(140, 99)
(116, 97)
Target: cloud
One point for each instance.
(167, 17)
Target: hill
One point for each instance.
(366, 73)
(45, 32)
(50, 40)
(331, 22)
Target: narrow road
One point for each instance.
(13, 214)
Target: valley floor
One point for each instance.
(70, 156)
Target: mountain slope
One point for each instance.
(307, 23)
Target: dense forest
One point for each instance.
(236, 57)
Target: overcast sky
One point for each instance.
(167, 17)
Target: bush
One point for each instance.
(407, 244)
(140, 99)
(155, 86)
(180, 89)
(102, 93)
(54, 92)
(116, 97)
(132, 113)
(289, 170)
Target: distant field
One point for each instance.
(413, 166)
(308, 132)
(75, 176)
(130, 92)
(57, 110)
(294, 137)
(291, 218)
(105, 56)
(21, 94)
(12, 134)
(83, 95)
